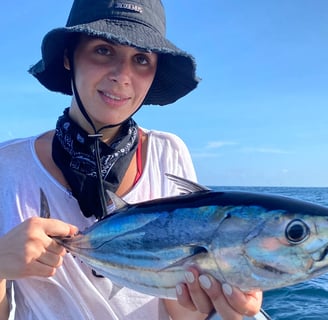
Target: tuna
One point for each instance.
(249, 240)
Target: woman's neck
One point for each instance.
(108, 134)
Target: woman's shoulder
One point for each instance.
(165, 138)
(15, 146)
(17, 155)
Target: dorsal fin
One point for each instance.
(185, 185)
(44, 206)
(118, 202)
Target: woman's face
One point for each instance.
(112, 80)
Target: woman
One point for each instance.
(112, 57)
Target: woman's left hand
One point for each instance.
(203, 293)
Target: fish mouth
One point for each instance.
(320, 262)
(322, 255)
(268, 268)
(265, 267)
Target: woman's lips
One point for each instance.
(113, 99)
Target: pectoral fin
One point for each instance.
(194, 253)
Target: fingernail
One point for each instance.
(227, 289)
(178, 289)
(73, 230)
(205, 281)
(189, 276)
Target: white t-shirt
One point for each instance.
(74, 293)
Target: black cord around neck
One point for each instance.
(96, 135)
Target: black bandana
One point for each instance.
(73, 151)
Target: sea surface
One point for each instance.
(304, 301)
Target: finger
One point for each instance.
(54, 227)
(199, 297)
(55, 248)
(51, 260)
(36, 268)
(214, 291)
(57, 228)
(246, 303)
(42, 270)
(184, 298)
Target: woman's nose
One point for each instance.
(121, 72)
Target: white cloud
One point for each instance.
(211, 149)
(204, 155)
(266, 150)
(219, 144)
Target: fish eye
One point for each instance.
(297, 231)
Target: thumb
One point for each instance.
(73, 230)
(58, 228)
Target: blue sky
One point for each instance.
(259, 116)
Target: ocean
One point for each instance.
(304, 301)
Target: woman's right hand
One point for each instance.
(28, 249)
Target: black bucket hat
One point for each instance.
(137, 23)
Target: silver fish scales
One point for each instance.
(249, 240)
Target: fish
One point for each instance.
(252, 241)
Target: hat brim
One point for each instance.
(175, 75)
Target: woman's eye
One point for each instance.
(142, 59)
(103, 51)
